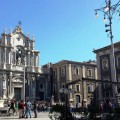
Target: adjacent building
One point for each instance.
(67, 71)
(19, 65)
(106, 71)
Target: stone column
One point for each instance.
(11, 58)
(69, 77)
(4, 58)
(68, 72)
(84, 84)
(38, 60)
(10, 83)
(33, 59)
(4, 86)
(96, 76)
(29, 59)
(33, 69)
(9, 55)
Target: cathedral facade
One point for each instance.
(19, 65)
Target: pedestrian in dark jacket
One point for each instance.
(12, 106)
(35, 109)
(21, 109)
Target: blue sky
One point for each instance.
(63, 29)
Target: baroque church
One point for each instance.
(19, 65)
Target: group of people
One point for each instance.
(43, 106)
(107, 106)
(24, 108)
(81, 107)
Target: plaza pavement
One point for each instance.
(41, 116)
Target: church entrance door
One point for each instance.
(17, 93)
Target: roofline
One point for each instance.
(72, 62)
(106, 47)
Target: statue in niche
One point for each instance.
(19, 60)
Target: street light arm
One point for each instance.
(112, 8)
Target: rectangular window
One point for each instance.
(77, 88)
(118, 62)
(77, 71)
(90, 88)
(54, 73)
(89, 72)
(104, 64)
(62, 71)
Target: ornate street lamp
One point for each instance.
(108, 11)
(66, 91)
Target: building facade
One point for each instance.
(106, 72)
(19, 65)
(44, 83)
(65, 72)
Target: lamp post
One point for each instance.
(24, 78)
(65, 92)
(108, 11)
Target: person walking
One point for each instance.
(28, 109)
(35, 109)
(16, 107)
(21, 108)
(12, 106)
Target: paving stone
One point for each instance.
(41, 116)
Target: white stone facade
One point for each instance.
(19, 65)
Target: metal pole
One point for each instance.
(24, 84)
(112, 48)
(65, 106)
(109, 12)
(24, 79)
(66, 100)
